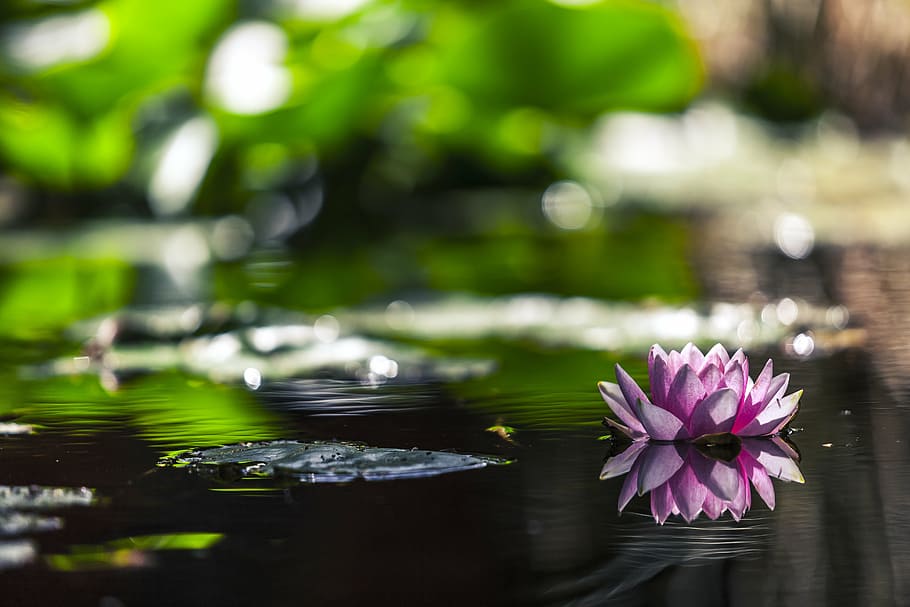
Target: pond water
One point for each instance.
(537, 526)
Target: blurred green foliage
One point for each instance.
(507, 81)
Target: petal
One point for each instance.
(760, 388)
(780, 425)
(773, 417)
(688, 492)
(675, 361)
(692, 356)
(657, 465)
(713, 506)
(710, 376)
(661, 424)
(738, 358)
(776, 389)
(717, 355)
(758, 399)
(656, 352)
(759, 477)
(621, 463)
(614, 398)
(629, 487)
(741, 502)
(632, 434)
(685, 392)
(715, 414)
(659, 374)
(662, 504)
(723, 479)
(774, 457)
(630, 389)
(735, 378)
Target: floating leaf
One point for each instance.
(328, 462)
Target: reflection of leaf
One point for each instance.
(170, 410)
(169, 541)
(52, 293)
(633, 263)
(129, 552)
(645, 258)
(173, 411)
(529, 387)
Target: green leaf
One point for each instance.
(578, 61)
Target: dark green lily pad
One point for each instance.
(327, 462)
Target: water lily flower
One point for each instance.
(686, 479)
(695, 394)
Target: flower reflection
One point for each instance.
(689, 479)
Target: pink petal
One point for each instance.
(632, 434)
(775, 457)
(759, 397)
(715, 414)
(654, 353)
(661, 424)
(630, 486)
(693, 356)
(735, 378)
(621, 463)
(762, 382)
(614, 398)
(773, 417)
(688, 493)
(630, 390)
(713, 506)
(759, 477)
(659, 374)
(658, 463)
(723, 479)
(739, 358)
(743, 498)
(717, 355)
(675, 361)
(780, 425)
(662, 503)
(685, 392)
(776, 388)
(710, 376)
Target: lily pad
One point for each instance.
(327, 462)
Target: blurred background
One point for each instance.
(311, 154)
(230, 220)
